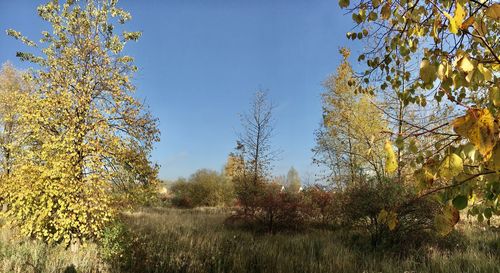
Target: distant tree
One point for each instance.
(293, 182)
(235, 166)
(85, 125)
(256, 137)
(348, 144)
(254, 146)
(203, 188)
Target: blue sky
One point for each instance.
(201, 61)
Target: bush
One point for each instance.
(267, 206)
(115, 242)
(322, 203)
(204, 188)
(361, 204)
(279, 209)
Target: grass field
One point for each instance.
(196, 241)
(170, 240)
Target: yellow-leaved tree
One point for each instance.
(446, 52)
(84, 127)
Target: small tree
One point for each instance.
(293, 180)
(348, 144)
(255, 140)
(235, 166)
(254, 146)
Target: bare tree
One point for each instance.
(255, 140)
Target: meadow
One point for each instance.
(196, 240)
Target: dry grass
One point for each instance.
(20, 255)
(170, 240)
(195, 241)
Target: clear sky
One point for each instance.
(200, 62)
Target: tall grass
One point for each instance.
(196, 241)
(170, 240)
(20, 255)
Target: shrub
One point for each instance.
(115, 242)
(322, 204)
(271, 208)
(204, 188)
(361, 204)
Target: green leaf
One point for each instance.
(488, 213)
(400, 142)
(413, 147)
(460, 202)
(451, 166)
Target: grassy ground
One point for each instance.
(168, 240)
(20, 255)
(195, 241)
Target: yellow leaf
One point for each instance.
(444, 70)
(495, 96)
(391, 164)
(445, 222)
(457, 20)
(465, 64)
(487, 74)
(478, 126)
(343, 3)
(424, 178)
(390, 218)
(427, 71)
(453, 25)
(382, 216)
(493, 11)
(459, 14)
(451, 166)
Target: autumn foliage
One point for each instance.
(82, 139)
